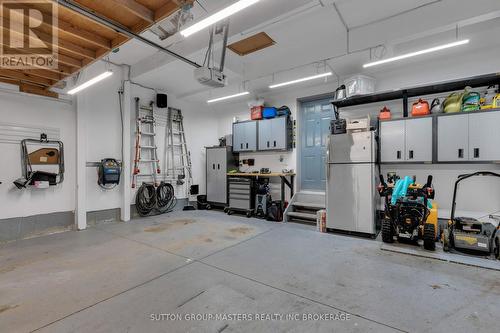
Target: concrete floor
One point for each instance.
(111, 278)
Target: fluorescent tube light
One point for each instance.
(219, 16)
(90, 82)
(309, 78)
(414, 54)
(228, 97)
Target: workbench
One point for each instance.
(283, 176)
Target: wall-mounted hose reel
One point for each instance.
(108, 173)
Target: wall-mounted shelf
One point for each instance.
(437, 88)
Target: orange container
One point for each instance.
(420, 108)
(385, 114)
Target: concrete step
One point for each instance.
(302, 216)
(309, 205)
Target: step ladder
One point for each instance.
(146, 162)
(179, 168)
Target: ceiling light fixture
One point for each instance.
(90, 82)
(309, 78)
(228, 97)
(417, 53)
(219, 16)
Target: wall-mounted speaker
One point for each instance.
(161, 101)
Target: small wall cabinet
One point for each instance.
(263, 135)
(469, 137)
(274, 134)
(245, 136)
(406, 140)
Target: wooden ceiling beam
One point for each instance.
(61, 43)
(137, 9)
(44, 74)
(31, 89)
(77, 32)
(166, 10)
(72, 62)
(16, 75)
(84, 35)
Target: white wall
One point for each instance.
(34, 111)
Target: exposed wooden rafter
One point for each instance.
(82, 41)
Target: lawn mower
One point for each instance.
(409, 213)
(471, 234)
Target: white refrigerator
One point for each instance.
(351, 182)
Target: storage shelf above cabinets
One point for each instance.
(446, 138)
(263, 135)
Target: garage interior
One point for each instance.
(250, 166)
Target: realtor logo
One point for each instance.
(29, 35)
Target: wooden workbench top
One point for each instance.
(249, 174)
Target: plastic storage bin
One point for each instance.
(360, 85)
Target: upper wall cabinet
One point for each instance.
(453, 138)
(245, 136)
(484, 136)
(274, 134)
(406, 140)
(469, 137)
(263, 135)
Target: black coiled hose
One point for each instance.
(165, 197)
(145, 200)
(149, 198)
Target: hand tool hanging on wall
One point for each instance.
(48, 155)
(146, 150)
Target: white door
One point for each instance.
(484, 136)
(392, 141)
(418, 140)
(453, 138)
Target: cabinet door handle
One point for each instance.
(410, 155)
(275, 143)
(218, 166)
(460, 153)
(214, 166)
(476, 153)
(398, 154)
(267, 144)
(241, 146)
(247, 145)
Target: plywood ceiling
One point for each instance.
(252, 44)
(83, 41)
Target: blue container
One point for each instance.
(269, 113)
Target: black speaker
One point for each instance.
(161, 101)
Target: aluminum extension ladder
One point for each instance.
(146, 162)
(179, 167)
